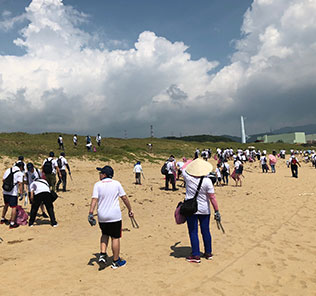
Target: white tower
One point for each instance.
(243, 132)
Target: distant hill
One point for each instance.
(308, 129)
(203, 138)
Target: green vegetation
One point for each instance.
(37, 146)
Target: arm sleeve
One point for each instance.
(121, 190)
(95, 193)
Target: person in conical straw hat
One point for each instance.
(194, 173)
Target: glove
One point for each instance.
(91, 220)
(217, 216)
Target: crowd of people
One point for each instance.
(89, 144)
(39, 186)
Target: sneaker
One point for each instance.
(208, 256)
(55, 225)
(45, 215)
(4, 221)
(118, 263)
(15, 225)
(103, 258)
(31, 225)
(194, 259)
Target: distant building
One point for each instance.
(311, 138)
(291, 138)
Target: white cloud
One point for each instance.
(68, 85)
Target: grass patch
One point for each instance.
(37, 146)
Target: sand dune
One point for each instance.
(269, 247)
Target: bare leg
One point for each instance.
(5, 209)
(104, 243)
(13, 214)
(116, 248)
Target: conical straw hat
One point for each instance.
(199, 168)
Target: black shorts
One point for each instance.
(11, 200)
(112, 229)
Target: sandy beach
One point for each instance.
(269, 247)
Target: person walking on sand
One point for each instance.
(106, 193)
(12, 184)
(196, 182)
(40, 194)
(50, 169)
(32, 174)
(170, 177)
(62, 165)
(238, 171)
(225, 171)
(293, 161)
(138, 170)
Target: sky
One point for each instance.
(184, 67)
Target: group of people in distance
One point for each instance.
(89, 144)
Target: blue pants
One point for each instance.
(193, 233)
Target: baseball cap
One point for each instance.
(106, 170)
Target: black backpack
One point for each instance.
(59, 163)
(224, 169)
(48, 167)
(8, 182)
(164, 169)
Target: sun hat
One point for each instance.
(199, 168)
(107, 170)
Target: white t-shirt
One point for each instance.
(108, 191)
(30, 177)
(203, 197)
(227, 167)
(237, 164)
(218, 173)
(180, 164)
(54, 164)
(17, 177)
(263, 159)
(39, 186)
(75, 139)
(63, 163)
(170, 167)
(138, 168)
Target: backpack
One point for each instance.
(8, 182)
(164, 169)
(48, 167)
(59, 163)
(21, 216)
(224, 169)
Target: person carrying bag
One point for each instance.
(196, 207)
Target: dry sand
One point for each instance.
(269, 247)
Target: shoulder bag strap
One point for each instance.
(199, 187)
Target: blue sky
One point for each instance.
(208, 27)
(185, 67)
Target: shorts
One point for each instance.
(11, 200)
(112, 229)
